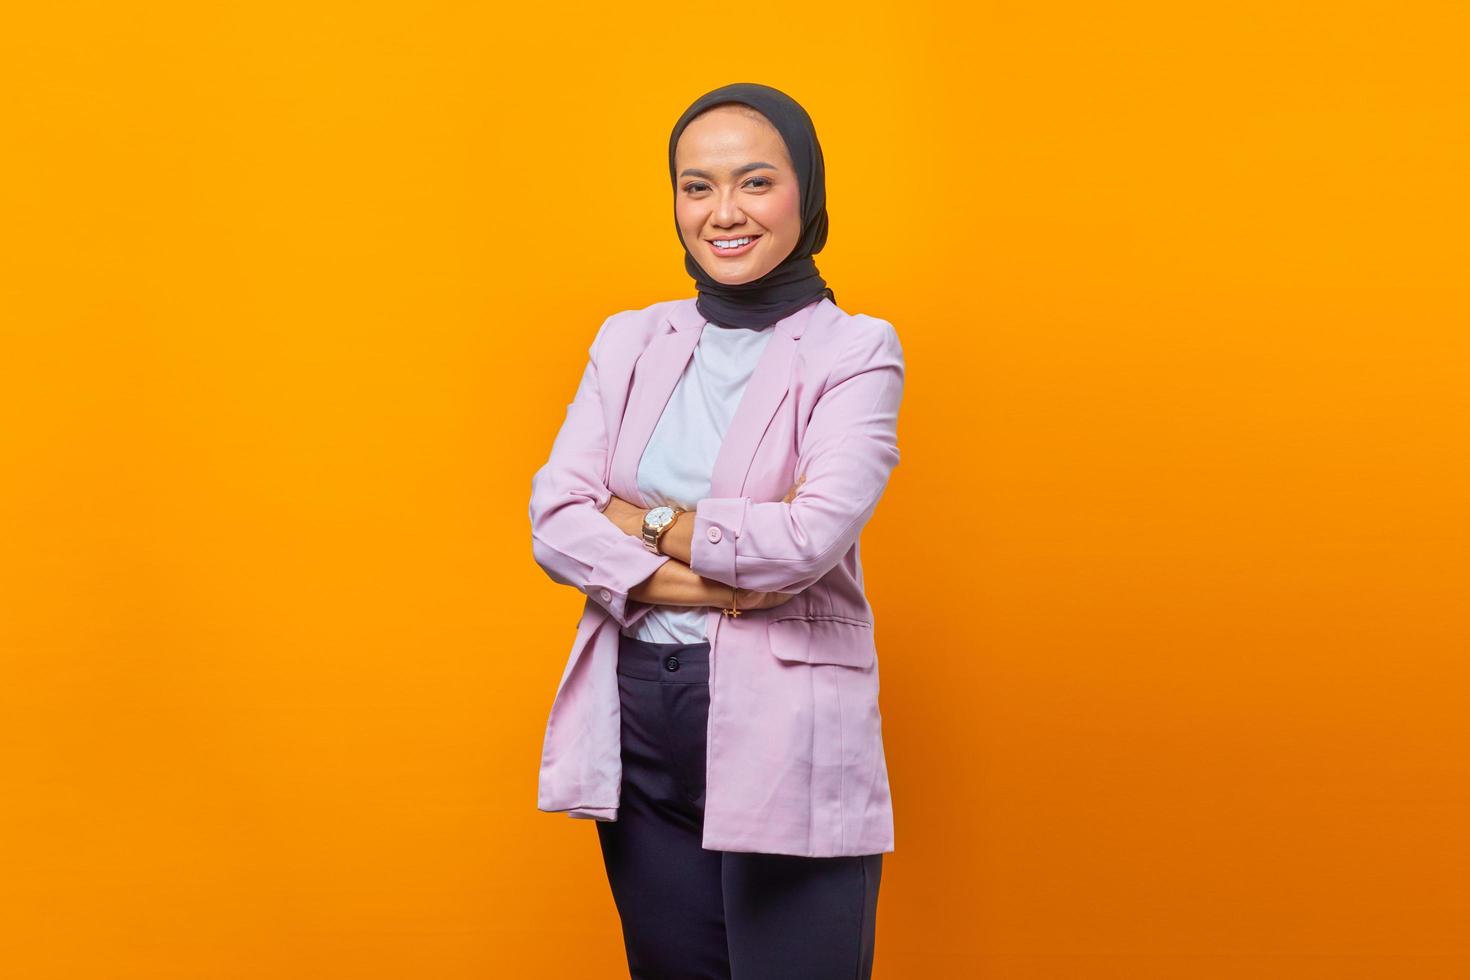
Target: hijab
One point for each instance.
(794, 282)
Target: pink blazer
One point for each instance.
(795, 745)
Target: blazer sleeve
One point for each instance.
(848, 452)
(571, 539)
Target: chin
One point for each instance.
(733, 279)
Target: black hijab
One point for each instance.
(795, 282)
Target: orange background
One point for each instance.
(1171, 583)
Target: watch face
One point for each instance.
(659, 516)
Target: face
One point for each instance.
(734, 180)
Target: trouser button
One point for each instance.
(672, 663)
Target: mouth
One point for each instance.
(726, 252)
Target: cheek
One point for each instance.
(783, 211)
(690, 219)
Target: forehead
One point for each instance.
(725, 137)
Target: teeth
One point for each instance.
(732, 243)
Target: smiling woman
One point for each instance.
(722, 455)
(758, 174)
(701, 208)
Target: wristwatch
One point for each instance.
(655, 523)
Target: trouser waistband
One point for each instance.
(677, 663)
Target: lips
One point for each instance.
(727, 253)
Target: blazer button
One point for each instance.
(606, 595)
(672, 663)
(714, 534)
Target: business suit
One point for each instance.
(794, 752)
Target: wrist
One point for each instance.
(656, 522)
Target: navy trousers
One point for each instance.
(692, 914)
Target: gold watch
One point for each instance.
(655, 523)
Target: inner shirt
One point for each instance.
(676, 465)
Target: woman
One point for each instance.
(718, 714)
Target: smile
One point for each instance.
(747, 242)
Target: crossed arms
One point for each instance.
(674, 583)
(584, 536)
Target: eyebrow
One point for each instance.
(691, 172)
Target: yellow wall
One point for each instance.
(1171, 583)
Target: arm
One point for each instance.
(570, 538)
(674, 583)
(849, 450)
(678, 541)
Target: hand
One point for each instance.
(791, 494)
(765, 600)
(747, 600)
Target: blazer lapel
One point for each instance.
(764, 393)
(658, 371)
(655, 374)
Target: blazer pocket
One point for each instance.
(819, 639)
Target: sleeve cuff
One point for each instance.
(606, 814)
(623, 564)
(717, 523)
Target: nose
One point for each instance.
(727, 213)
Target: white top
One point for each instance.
(676, 465)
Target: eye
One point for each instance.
(756, 182)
